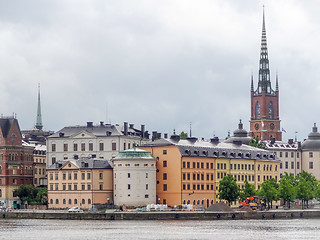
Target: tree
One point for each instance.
(269, 191)
(248, 190)
(228, 189)
(305, 191)
(287, 189)
(31, 194)
(183, 135)
(255, 142)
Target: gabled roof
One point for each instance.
(6, 124)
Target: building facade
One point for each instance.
(102, 141)
(16, 161)
(134, 175)
(265, 121)
(189, 171)
(81, 182)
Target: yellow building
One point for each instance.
(189, 171)
(82, 182)
(39, 166)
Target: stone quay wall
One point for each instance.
(291, 214)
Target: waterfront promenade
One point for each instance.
(167, 215)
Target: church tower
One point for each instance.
(265, 122)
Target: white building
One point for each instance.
(101, 141)
(134, 176)
(289, 153)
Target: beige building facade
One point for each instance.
(82, 182)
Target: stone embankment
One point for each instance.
(172, 215)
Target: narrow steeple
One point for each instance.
(39, 117)
(277, 83)
(252, 89)
(264, 83)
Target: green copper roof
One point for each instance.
(134, 153)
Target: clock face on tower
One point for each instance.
(256, 126)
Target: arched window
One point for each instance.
(13, 139)
(69, 201)
(89, 201)
(257, 110)
(51, 201)
(75, 201)
(57, 201)
(271, 112)
(83, 201)
(64, 201)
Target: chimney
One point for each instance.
(165, 135)
(125, 130)
(101, 124)
(214, 140)
(142, 130)
(131, 125)
(61, 134)
(89, 124)
(154, 135)
(272, 140)
(175, 138)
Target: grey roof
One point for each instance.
(83, 163)
(215, 150)
(280, 145)
(239, 134)
(6, 124)
(101, 130)
(313, 141)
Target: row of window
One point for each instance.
(291, 164)
(14, 157)
(194, 187)
(194, 165)
(129, 187)
(75, 187)
(129, 175)
(84, 147)
(40, 170)
(75, 176)
(195, 176)
(286, 154)
(75, 201)
(136, 165)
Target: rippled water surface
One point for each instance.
(224, 229)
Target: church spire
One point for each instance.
(264, 83)
(277, 83)
(252, 89)
(39, 117)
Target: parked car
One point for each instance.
(75, 209)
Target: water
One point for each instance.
(223, 229)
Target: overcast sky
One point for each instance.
(159, 63)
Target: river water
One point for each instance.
(173, 229)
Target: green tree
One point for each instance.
(287, 189)
(31, 194)
(249, 190)
(228, 189)
(269, 191)
(255, 142)
(183, 135)
(305, 191)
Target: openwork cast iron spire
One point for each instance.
(39, 117)
(264, 83)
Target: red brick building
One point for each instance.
(16, 161)
(265, 121)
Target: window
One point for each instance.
(286, 154)
(147, 186)
(310, 154)
(75, 187)
(280, 154)
(75, 147)
(56, 187)
(230, 166)
(90, 146)
(57, 201)
(310, 165)
(56, 176)
(53, 147)
(65, 147)
(183, 164)
(164, 176)
(69, 201)
(202, 176)
(207, 165)
(292, 165)
(225, 166)
(211, 165)
(89, 187)
(292, 154)
(75, 201)
(69, 176)
(286, 165)
(64, 187)
(298, 165)
(101, 146)
(114, 146)
(100, 186)
(298, 155)
(194, 176)
(198, 165)
(83, 176)
(129, 186)
(202, 165)
(164, 152)
(83, 201)
(193, 165)
(75, 176)
(188, 164)
(218, 165)
(129, 175)
(69, 187)
(63, 176)
(101, 175)
(89, 201)
(146, 196)
(165, 187)
(184, 176)
(124, 146)
(83, 187)
(51, 187)
(146, 175)
(53, 159)
(51, 176)
(164, 163)
(88, 176)
(281, 165)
